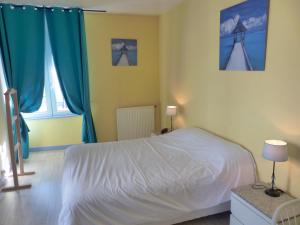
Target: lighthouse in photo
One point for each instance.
(123, 59)
(124, 52)
(243, 36)
(238, 59)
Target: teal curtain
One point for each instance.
(22, 30)
(68, 44)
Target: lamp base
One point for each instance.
(273, 192)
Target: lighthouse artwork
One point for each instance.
(124, 52)
(243, 36)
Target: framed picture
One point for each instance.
(243, 36)
(124, 52)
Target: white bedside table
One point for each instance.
(253, 207)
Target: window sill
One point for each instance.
(48, 117)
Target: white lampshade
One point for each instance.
(171, 110)
(275, 150)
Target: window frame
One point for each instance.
(2, 78)
(52, 112)
(49, 90)
(51, 102)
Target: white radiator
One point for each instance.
(135, 122)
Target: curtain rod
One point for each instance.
(64, 7)
(94, 10)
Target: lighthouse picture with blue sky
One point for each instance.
(243, 36)
(124, 52)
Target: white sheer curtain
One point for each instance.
(4, 151)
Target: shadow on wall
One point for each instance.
(294, 162)
(294, 152)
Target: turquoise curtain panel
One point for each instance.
(22, 35)
(22, 39)
(68, 44)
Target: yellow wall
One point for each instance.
(54, 132)
(246, 107)
(111, 87)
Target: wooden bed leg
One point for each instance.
(26, 173)
(19, 149)
(15, 147)
(16, 188)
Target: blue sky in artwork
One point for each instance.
(131, 50)
(127, 42)
(252, 13)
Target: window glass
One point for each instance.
(61, 105)
(2, 79)
(53, 104)
(43, 107)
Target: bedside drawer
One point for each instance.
(234, 221)
(246, 213)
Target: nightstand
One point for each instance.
(253, 207)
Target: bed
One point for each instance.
(160, 180)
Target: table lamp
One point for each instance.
(276, 151)
(171, 111)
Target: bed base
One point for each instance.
(223, 207)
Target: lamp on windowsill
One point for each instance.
(171, 111)
(276, 151)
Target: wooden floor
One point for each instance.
(41, 204)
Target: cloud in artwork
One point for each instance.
(228, 26)
(118, 46)
(253, 22)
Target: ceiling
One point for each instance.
(147, 7)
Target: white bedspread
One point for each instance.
(152, 180)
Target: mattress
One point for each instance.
(152, 180)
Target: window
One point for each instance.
(2, 81)
(53, 103)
